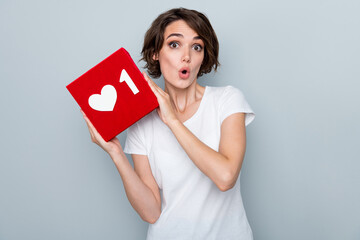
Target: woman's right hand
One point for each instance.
(111, 147)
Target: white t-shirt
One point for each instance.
(192, 205)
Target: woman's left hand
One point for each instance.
(166, 111)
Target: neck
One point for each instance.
(181, 99)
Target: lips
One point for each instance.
(184, 73)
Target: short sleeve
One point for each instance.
(233, 101)
(135, 142)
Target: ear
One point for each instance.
(155, 57)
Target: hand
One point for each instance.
(166, 111)
(111, 147)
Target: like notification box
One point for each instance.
(113, 94)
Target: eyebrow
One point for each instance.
(180, 35)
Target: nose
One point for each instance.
(186, 56)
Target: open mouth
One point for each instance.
(184, 73)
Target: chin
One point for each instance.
(183, 83)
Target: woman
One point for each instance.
(188, 153)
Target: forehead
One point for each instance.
(179, 26)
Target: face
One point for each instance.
(181, 55)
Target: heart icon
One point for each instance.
(104, 101)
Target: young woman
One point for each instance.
(188, 153)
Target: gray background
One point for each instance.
(297, 63)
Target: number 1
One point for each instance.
(124, 76)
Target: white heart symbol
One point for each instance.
(104, 101)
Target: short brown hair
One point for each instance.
(154, 39)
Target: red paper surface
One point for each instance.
(134, 98)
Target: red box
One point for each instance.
(113, 94)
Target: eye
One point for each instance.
(174, 44)
(197, 47)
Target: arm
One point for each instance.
(222, 167)
(140, 186)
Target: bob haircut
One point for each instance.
(154, 39)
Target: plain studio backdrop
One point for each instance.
(297, 62)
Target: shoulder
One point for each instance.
(136, 135)
(224, 91)
(144, 123)
(149, 118)
(229, 100)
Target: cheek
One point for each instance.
(167, 61)
(165, 66)
(199, 61)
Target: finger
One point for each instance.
(153, 87)
(92, 130)
(152, 83)
(158, 89)
(148, 79)
(88, 122)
